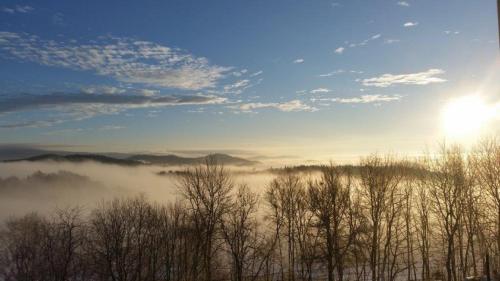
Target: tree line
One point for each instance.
(434, 218)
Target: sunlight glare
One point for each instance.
(464, 117)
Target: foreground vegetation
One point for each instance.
(437, 218)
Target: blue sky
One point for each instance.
(313, 79)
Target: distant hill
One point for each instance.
(78, 158)
(177, 160)
(141, 159)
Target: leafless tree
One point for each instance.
(424, 233)
(379, 180)
(448, 181)
(239, 228)
(207, 190)
(330, 200)
(21, 250)
(283, 195)
(486, 161)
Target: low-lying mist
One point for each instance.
(44, 186)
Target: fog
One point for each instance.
(44, 186)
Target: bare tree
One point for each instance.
(486, 160)
(62, 243)
(22, 252)
(239, 228)
(423, 226)
(207, 190)
(330, 201)
(379, 179)
(283, 196)
(448, 181)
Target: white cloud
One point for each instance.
(410, 24)
(110, 128)
(239, 73)
(448, 32)
(369, 99)
(256, 73)
(391, 41)
(419, 78)
(298, 61)
(319, 91)
(290, 106)
(332, 73)
(108, 90)
(360, 99)
(148, 92)
(404, 4)
(339, 50)
(18, 9)
(124, 59)
(364, 42)
(237, 87)
(340, 71)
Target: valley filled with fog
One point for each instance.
(384, 218)
(45, 186)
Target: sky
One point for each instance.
(296, 79)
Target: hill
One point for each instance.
(78, 158)
(178, 160)
(140, 159)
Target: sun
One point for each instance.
(464, 117)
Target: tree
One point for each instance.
(486, 161)
(207, 189)
(379, 180)
(284, 195)
(239, 228)
(448, 182)
(330, 202)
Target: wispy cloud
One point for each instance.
(110, 128)
(391, 41)
(403, 3)
(419, 78)
(63, 107)
(256, 73)
(30, 124)
(339, 50)
(124, 59)
(108, 90)
(339, 71)
(237, 87)
(369, 99)
(365, 42)
(410, 24)
(448, 32)
(61, 100)
(360, 99)
(319, 91)
(70, 131)
(298, 61)
(289, 106)
(332, 73)
(240, 73)
(17, 9)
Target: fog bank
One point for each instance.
(43, 186)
